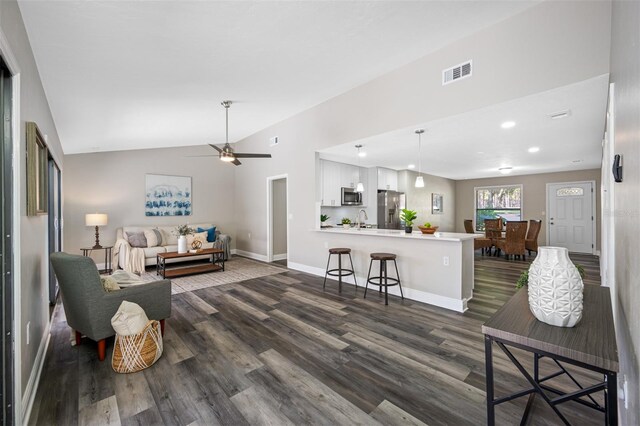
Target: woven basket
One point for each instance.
(138, 351)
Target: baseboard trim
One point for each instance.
(34, 378)
(409, 293)
(282, 256)
(255, 256)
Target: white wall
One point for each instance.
(625, 74)
(547, 46)
(31, 280)
(114, 183)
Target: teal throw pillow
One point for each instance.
(211, 233)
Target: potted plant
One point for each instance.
(408, 216)
(427, 228)
(346, 223)
(323, 219)
(182, 231)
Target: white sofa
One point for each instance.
(170, 241)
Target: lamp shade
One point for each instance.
(419, 182)
(96, 219)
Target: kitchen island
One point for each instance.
(436, 269)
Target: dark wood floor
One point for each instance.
(278, 350)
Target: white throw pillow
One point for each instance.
(152, 239)
(129, 319)
(201, 236)
(126, 279)
(169, 238)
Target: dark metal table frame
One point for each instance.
(107, 257)
(608, 385)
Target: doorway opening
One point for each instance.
(571, 216)
(6, 244)
(277, 219)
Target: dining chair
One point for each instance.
(493, 230)
(513, 243)
(531, 241)
(482, 243)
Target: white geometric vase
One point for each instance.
(182, 244)
(555, 288)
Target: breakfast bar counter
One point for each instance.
(437, 269)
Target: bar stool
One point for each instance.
(388, 281)
(339, 271)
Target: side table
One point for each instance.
(107, 257)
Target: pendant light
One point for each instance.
(419, 179)
(359, 186)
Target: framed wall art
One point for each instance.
(436, 203)
(167, 195)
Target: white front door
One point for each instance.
(570, 216)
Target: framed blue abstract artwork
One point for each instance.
(167, 195)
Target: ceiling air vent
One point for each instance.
(456, 73)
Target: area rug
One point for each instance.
(236, 269)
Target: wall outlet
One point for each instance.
(274, 141)
(28, 334)
(326, 244)
(623, 392)
(445, 260)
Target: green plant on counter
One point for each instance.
(427, 224)
(324, 218)
(346, 221)
(524, 276)
(408, 216)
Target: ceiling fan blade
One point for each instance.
(215, 147)
(236, 162)
(248, 155)
(206, 155)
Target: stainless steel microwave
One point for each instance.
(351, 198)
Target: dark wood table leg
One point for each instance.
(488, 355)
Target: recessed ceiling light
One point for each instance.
(505, 170)
(533, 149)
(411, 166)
(508, 124)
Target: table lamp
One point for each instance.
(97, 220)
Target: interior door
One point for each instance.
(6, 259)
(54, 224)
(570, 216)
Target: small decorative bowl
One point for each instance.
(426, 230)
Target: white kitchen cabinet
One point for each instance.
(387, 179)
(331, 183)
(335, 176)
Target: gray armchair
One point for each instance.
(89, 308)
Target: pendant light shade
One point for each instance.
(360, 185)
(419, 179)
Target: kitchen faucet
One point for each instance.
(358, 223)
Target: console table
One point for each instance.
(591, 345)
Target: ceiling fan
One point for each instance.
(226, 153)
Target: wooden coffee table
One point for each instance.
(175, 270)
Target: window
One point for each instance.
(569, 192)
(498, 202)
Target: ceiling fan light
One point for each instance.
(226, 157)
(419, 182)
(360, 187)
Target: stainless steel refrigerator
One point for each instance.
(390, 203)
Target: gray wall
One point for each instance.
(279, 216)
(419, 199)
(114, 183)
(512, 59)
(625, 73)
(533, 195)
(33, 256)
